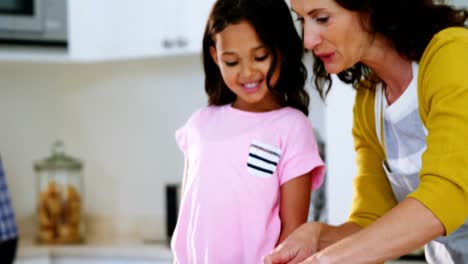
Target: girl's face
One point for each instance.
(244, 63)
(335, 35)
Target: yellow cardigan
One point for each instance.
(443, 108)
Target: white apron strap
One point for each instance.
(378, 112)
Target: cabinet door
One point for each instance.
(114, 29)
(121, 29)
(197, 14)
(184, 26)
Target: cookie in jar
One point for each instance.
(60, 198)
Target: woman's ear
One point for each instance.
(213, 54)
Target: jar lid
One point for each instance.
(58, 160)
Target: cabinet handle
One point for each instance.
(167, 43)
(182, 42)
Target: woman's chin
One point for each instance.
(331, 69)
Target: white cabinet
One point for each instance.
(184, 25)
(113, 29)
(121, 29)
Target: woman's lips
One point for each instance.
(326, 57)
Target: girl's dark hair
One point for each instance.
(274, 25)
(408, 24)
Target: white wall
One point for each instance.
(460, 3)
(119, 118)
(341, 166)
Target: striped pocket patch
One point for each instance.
(263, 159)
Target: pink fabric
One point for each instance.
(229, 212)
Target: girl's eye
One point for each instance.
(261, 58)
(230, 63)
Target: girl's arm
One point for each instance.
(294, 204)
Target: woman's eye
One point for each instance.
(322, 19)
(300, 20)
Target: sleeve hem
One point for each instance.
(318, 174)
(445, 200)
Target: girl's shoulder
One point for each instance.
(204, 113)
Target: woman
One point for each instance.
(408, 61)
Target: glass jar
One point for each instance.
(59, 198)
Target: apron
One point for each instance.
(452, 249)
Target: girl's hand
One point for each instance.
(300, 245)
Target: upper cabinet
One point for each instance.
(121, 29)
(184, 24)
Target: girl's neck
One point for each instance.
(391, 67)
(258, 108)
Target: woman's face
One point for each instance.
(334, 34)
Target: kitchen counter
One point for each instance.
(116, 250)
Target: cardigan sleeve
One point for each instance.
(373, 195)
(443, 102)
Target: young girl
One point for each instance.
(251, 155)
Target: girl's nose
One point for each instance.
(247, 71)
(311, 37)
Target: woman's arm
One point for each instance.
(294, 204)
(308, 239)
(403, 229)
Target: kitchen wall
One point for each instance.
(118, 118)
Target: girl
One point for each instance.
(251, 155)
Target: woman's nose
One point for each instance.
(311, 37)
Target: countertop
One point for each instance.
(124, 247)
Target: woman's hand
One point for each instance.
(304, 244)
(300, 245)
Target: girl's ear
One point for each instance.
(213, 54)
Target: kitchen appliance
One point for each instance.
(172, 208)
(59, 198)
(33, 21)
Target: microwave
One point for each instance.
(33, 21)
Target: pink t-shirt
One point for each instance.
(229, 212)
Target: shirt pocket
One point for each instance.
(263, 159)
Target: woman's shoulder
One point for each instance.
(442, 65)
(451, 33)
(445, 39)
